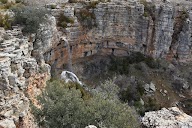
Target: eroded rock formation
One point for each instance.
(160, 30)
(18, 69)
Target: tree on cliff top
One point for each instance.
(64, 107)
(29, 17)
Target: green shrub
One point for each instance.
(140, 89)
(86, 14)
(130, 94)
(64, 107)
(64, 20)
(145, 14)
(138, 104)
(30, 18)
(152, 105)
(8, 5)
(3, 1)
(120, 65)
(86, 18)
(53, 6)
(138, 66)
(148, 9)
(184, 15)
(72, 1)
(109, 89)
(84, 94)
(151, 62)
(136, 57)
(18, 1)
(92, 4)
(5, 21)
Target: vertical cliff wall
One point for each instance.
(161, 30)
(21, 79)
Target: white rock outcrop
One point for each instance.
(7, 123)
(150, 88)
(167, 118)
(91, 126)
(70, 77)
(16, 67)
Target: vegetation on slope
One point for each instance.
(63, 106)
(132, 73)
(30, 18)
(5, 21)
(86, 15)
(121, 65)
(64, 20)
(3, 1)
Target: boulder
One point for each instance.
(70, 77)
(7, 123)
(150, 88)
(91, 126)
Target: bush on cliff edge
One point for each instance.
(30, 18)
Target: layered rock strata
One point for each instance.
(160, 30)
(17, 68)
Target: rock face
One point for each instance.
(45, 38)
(160, 30)
(153, 29)
(17, 66)
(43, 2)
(167, 118)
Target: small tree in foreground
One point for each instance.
(64, 107)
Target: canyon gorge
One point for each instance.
(88, 38)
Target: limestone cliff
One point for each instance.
(161, 30)
(18, 69)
